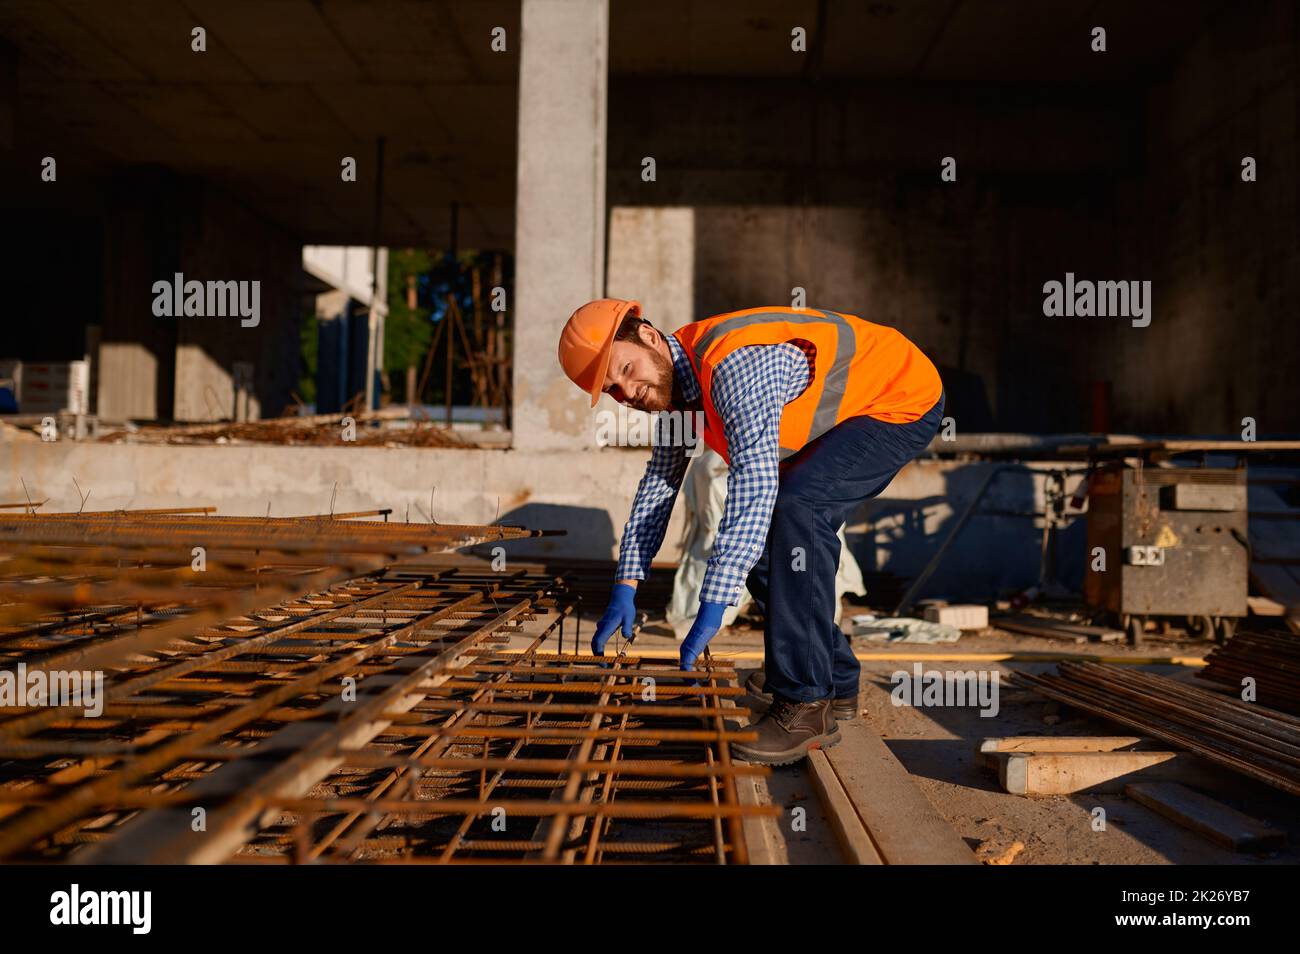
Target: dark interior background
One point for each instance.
(820, 171)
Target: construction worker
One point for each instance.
(814, 412)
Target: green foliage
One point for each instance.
(437, 277)
(407, 330)
(308, 346)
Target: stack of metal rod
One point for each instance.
(413, 712)
(91, 589)
(318, 535)
(1246, 737)
(1270, 660)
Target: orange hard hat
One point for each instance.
(587, 338)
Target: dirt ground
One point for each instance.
(938, 747)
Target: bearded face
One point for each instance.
(640, 376)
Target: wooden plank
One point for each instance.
(1064, 773)
(989, 748)
(761, 833)
(1012, 625)
(1263, 606)
(760, 839)
(1191, 445)
(904, 826)
(1278, 583)
(1056, 629)
(849, 831)
(1220, 823)
(1060, 743)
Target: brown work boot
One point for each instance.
(788, 731)
(845, 708)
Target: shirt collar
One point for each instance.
(685, 383)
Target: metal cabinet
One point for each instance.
(1174, 544)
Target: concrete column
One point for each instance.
(560, 208)
(137, 351)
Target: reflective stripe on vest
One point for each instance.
(894, 382)
(833, 387)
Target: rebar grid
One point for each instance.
(490, 766)
(406, 715)
(87, 590)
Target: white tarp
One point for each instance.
(902, 629)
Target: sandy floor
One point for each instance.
(938, 745)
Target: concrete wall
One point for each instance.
(224, 241)
(834, 187)
(589, 496)
(652, 259)
(180, 368)
(137, 351)
(1224, 254)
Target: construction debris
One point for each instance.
(993, 852)
(389, 427)
(1245, 737)
(1046, 627)
(10, 433)
(965, 616)
(903, 629)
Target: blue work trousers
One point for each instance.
(808, 657)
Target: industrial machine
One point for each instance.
(1168, 542)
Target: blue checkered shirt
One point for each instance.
(751, 386)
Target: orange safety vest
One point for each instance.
(858, 368)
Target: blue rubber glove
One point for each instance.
(707, 623)
(621, 613)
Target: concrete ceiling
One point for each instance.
(924, 40)
(288, 87)
(284, 91)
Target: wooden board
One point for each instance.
(849, 831)
(904, 827)
(989, 748)
(1279, 583)
(760, 841)
(1263, 606)
(761, 834)
(1056, 629)
(1214, 820)
(1065, 773)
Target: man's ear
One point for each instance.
(648, 334)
